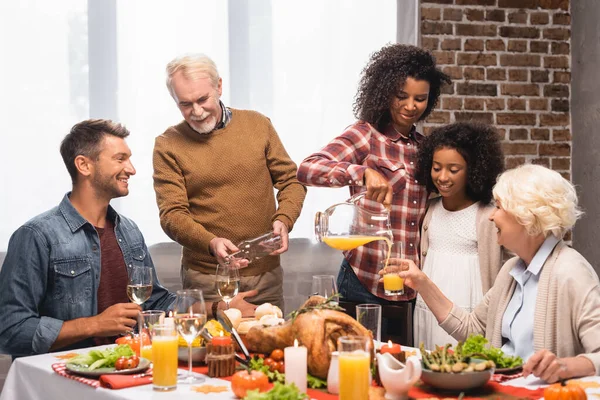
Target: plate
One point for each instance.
(198, 354)
(81, 370)
(509, 371)
(458, 382)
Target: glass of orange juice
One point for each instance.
(354, 367)
(149, 318)
(164, 357)
(393, 285)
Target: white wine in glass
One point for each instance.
(227, 282)
(190, 317)
(139, 285)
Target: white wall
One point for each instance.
(303, 61)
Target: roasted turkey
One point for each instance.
(317, 329)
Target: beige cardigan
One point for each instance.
(488, 249)
(567, 309)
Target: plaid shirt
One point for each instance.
(343, 163)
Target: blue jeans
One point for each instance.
(352, 290)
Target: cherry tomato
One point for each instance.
(243, 381)
(269, 362)
(120, 363)
(134, 342)
(277, 355)
(279, 366)
(135, 360)
(129, 363)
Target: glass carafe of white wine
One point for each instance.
(227, 282)
(353, 223)
(258, 247)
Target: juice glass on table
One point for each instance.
(164, 357)
(354, 367)
(147, 320)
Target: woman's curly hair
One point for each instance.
(478, 144)
(385, 72)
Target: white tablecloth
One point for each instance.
(33, 378)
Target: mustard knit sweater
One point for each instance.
(221, 185)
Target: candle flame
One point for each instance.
(170, 314)
(295, 342)
(389, 343)
(191, 311)
(221, 333)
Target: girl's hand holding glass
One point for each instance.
(407, 270)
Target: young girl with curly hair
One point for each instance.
(378, 154)
(459, 249)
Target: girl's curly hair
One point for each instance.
(478, 144)
(385, 72)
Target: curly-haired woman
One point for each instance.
(378, 154)
(459, 250)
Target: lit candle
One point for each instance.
(170, 321)
(295, 366)
(220, 340)
(390, 348)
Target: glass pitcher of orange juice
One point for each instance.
(353, 223)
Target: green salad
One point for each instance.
(475, 346)
(279, 392)
(102, 358)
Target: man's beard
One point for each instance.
(105, 187)
(205, 127)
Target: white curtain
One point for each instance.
(296, 62)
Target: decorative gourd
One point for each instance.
(566, 391)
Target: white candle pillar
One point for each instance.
(170, 321)
(295, 365)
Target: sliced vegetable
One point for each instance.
(102, 358)
(279, 391)
(476, 345)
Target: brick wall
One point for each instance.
(511, 67)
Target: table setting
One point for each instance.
(340, 362)
(317, 352)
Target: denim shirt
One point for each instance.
(51, 274)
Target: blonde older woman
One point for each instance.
(545, 303)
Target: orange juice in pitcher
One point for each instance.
(348, 225)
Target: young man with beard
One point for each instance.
(214, 175)
(63, 282)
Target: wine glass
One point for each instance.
(190, 317)
(323, 285)
(227, 282)
(139, 283)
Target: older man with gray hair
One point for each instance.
(214, 175)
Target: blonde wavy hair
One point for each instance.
(193, 66)
(540, 199)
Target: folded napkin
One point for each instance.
(107, 381)
(503, 378)
(125, 381)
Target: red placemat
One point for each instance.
(107, 381)
(492, 390)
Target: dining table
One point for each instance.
(33, 378)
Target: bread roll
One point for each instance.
(267, 309)
(234, 315)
